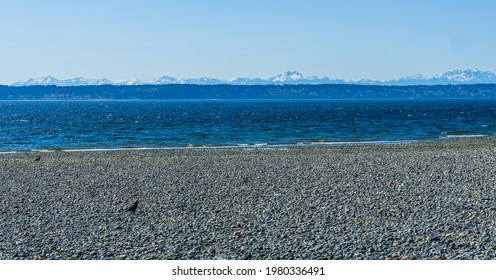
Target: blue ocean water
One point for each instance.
(38, 125)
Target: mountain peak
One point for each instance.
(467, 76)
(459, 76)
(288, 76)
(48, 80)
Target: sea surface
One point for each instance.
(75, 125)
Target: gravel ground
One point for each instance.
(434, 200)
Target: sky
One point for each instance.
(147, 39)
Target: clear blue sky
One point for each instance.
(256, 38)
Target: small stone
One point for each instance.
(435, 239)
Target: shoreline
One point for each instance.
(259, 145)
(422, 200)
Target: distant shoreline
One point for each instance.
(243, 92)
(250, 100)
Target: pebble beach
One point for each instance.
(425, 200)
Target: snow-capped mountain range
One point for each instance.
(470, 76)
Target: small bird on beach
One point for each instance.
(38, 158)
(133, 208)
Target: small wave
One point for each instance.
(263, 146)
(465, 136)
(45, 150)
(260, 144)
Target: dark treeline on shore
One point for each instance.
(186, 91)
